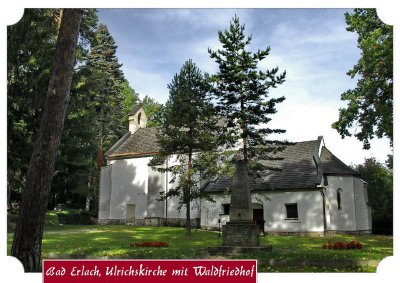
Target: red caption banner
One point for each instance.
(121, 271)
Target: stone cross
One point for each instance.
(240, 231)
(240, 207)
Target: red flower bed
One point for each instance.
(149, 244)
(353, 245)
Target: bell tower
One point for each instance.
(137, 119)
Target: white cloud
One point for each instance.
(305, 120)
(148, 83)
(313, 46)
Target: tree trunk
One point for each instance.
(88, 196)
(27, 243)
(9, 207)
(187, 199)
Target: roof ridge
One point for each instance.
(340, 161)
(118, 143)
(135, 109)
(317, 160)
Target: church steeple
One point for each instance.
(137, 119)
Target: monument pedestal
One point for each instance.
(241, 234)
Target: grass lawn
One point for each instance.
(114, 241)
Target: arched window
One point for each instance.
(139, 118)
(339, 199)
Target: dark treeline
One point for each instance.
(100, 100)
(379, 178)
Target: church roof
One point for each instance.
(301, 167)
(135, 110)
(333, 165)
(142, 142)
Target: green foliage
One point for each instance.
(242, 91)
(30, 50)
(380, 194)
(99, 102)
(154, 111)
(187, 132)
(370, 104)
(107, 88)
(129, 98)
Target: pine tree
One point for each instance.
(241, 91)
(107, 86)
(187, 132)
(107, 92)
(27, 241)
(31, 45)
(30, 49)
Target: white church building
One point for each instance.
(309, 191)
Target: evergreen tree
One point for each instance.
(106, 86)
(30, 49)
(380, 194)
(31, 45)
(241, 91)
(27, 241)
(370, 104)
(187, 132)
(75, 158)
(108, 90)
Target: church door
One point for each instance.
(130, 213)
(258, 217)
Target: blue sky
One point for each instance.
(312, 45)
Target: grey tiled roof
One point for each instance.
(299, 166)
(143, 141)
(135, 110)
(333, 165)
(297, 170)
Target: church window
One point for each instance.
(339, 199)
(225, 208)
(291, 211)
(139, 118)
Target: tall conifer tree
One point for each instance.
(107, 85)
(107, 81)
(188, 132)
(242, 92)
(27, 241)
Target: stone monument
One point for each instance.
(240, 231)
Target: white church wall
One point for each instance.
(211, 212)
(156, 184)
(105, 192)
(129, 180)
(310, 212)
(309, 205)
(133, 182)
(362, 211)
(173, 202)
(341, 219)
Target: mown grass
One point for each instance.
(88, 241)
(375, 247)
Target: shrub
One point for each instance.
(74, 219)
(353, 245)
(149, 244)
